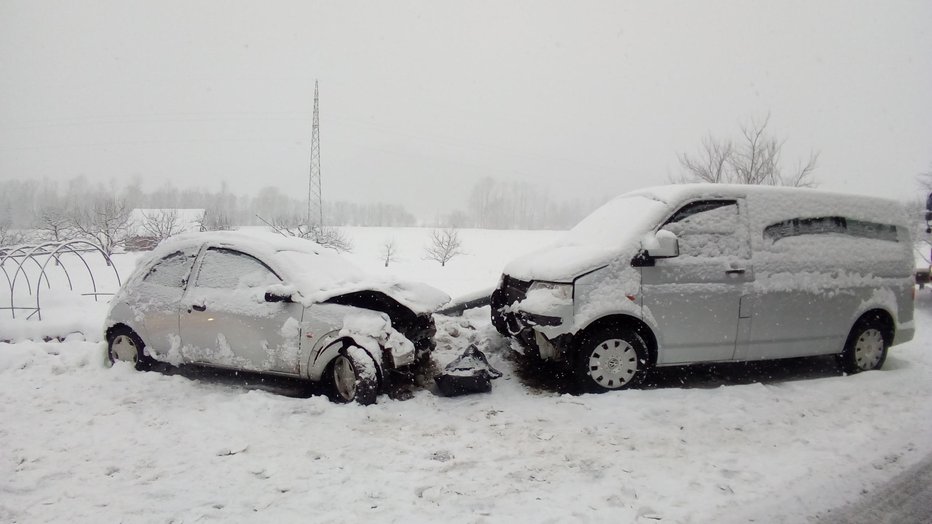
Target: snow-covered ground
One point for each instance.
(786, 442)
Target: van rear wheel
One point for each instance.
(866, 347)
(610, 359)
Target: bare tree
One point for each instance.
(162, 223)
(389, 251)
(55, 223)
(105, 221)
(294, 226)
(753, 159)
(9, 237)
(444, 245)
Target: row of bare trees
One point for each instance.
(101, 212)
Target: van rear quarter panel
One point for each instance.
(809, 289)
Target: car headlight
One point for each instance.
(560, 291)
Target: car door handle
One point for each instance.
(198, 307)
(736, 271)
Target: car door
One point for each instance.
(157, 300)
(226, 320)
(694, 299)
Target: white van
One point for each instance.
(714, 273)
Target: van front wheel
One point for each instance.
(611, 359)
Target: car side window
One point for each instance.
(709, 228)
(171, 271)
(229, 269)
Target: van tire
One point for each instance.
(866, 347)
(609, 359)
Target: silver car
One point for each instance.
(265, 303)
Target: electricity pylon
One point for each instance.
(315, 203)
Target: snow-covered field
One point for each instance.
(81, 442)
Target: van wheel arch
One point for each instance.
(882, 318)
(621, 322)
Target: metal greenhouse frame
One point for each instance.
(19, 257)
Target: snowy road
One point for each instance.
(773, 443)
(906, 498)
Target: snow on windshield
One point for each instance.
(613, 230)
(610, 224)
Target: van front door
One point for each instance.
(694, 299)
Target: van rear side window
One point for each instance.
(826, 225)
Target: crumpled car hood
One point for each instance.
(416, 296)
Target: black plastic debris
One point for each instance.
(469, 373)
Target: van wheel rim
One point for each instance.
(124, 349)
(344, 378)
(868, 349)
(613, 363)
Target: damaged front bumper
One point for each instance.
(542, 334)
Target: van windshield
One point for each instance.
(619, 220)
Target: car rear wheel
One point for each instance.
(354, 376)
(611, 359)
(866, 347)
(124, 345)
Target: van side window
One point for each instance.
(829, 225)
(709, 228)
(698, 207)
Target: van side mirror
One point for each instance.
(662, 244)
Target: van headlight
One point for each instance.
(558, 290)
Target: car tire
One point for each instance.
(866, 346)
(610, 359)
(123, 344)
(354, 377)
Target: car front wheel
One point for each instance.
(611, 359)
(124, 345)
(354, 376)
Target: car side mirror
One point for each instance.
(275, 297)
(662, 244)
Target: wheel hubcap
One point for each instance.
(124, 349)
(868, 349)
(613, 363)
(344, 377)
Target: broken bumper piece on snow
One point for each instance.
(469, 373)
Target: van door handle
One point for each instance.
(736, 271)
(198, 307)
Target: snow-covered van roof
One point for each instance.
(317, 273)
(616, 228)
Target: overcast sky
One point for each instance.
(419, 99)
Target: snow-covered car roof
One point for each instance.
(317, 273)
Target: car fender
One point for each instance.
(318, 361)
(122, 314)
